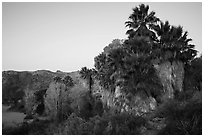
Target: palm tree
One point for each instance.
(68, 81)
(173, 42)
(87, 74)
(174, 52)
(140, 75)
(57, 79)
(100, 61)
(115, 58)
(140, 22)
(109, 62)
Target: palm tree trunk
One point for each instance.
(90, 84)
(59, 111)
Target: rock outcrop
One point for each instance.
(171, 75)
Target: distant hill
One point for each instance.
(15, 82)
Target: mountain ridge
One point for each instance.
(14, 82)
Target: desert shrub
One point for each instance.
(99, 124)
(72, 126)
(182, 117)
(125, 124)
(168, 108)
(193, 74)
(34, 128)
(107, 124)
(98, 108)
(18, 130)
(37, 127)
(84, 106)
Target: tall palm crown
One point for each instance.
(88, 74)
(140, 22)
(173, 42)
(85, 73)
(115, 58)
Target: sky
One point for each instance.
(67, 36)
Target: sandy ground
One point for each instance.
(11, 118)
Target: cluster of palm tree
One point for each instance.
(67, 80)
(130, 64)
(163, 36)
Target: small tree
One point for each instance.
(57, 99)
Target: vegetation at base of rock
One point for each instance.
(35, 128)
(182, 117)
(108, 124)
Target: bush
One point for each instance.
(182, 118)
(125, 124)
(108, 124)
(34, 128)
(19, 130)
(57, 101)
(72, 126)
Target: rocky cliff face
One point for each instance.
(118, 101)
(171, 76)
